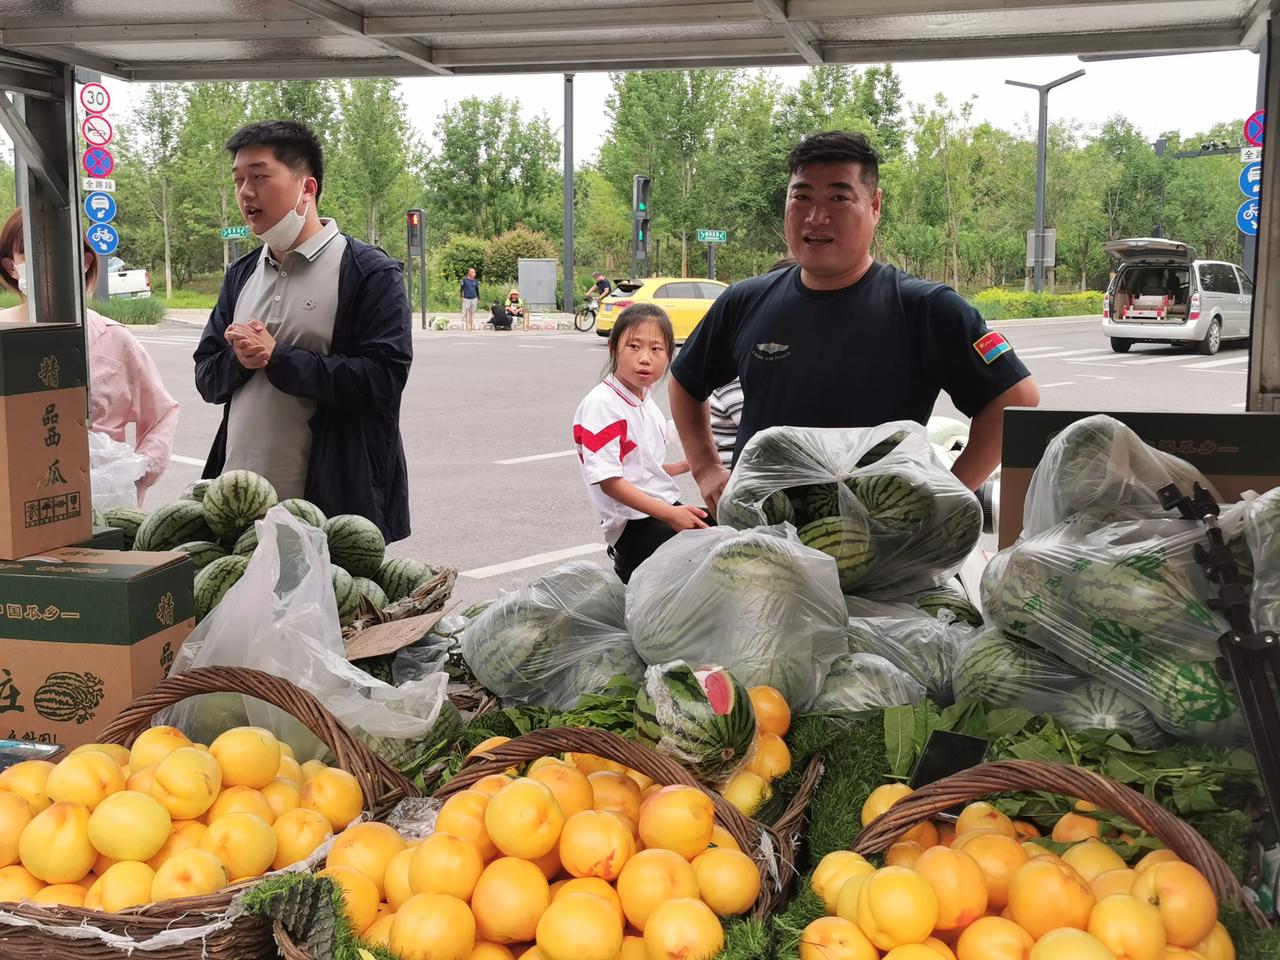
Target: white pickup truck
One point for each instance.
(122, 282)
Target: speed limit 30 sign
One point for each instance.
(94, 98)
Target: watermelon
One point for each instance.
(67, 697)
(195, 490)
(897, 506)
(247, 542)
(814, 501)
(933, 602)
(1004, 671)
(306, 511)
(355, 544)
(127, 520)
(202, 552)
(882, 449)
(401, 576)
(179, 522)
(236, 499)
(215, 580)
(860, 682)
(473, 611)
(368, 588)
(346, 595)
(701, 716)
(848, 541)
(778, 509)
(1096, 705)
(952, 535)
(1191, 695)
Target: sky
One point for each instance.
(1222, 86)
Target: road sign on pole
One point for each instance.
(97, 131)
(235, 233)
(94, 98)
(98, 162)
(103, 238)
(100, 207)
(1251, 179)
(1250, 154)
(713, 236)
(1254, 127)
(90, 184)
(1247, 218)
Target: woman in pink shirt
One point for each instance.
(124, 384)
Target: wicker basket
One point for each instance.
(243, 938)
(1010, 776)
(773, 847)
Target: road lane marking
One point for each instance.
(537, 456)
(1210, 364)
(191, 460)
(537, 560)
(1028, 350)
(1161, 359)
(1060, 383)
(1238, 406)
(533, 346)
(180, 341)
(1094, 376)
(1067, 353)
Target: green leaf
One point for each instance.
(1038, 749)
(1193, 798)
(899, 746)
(1126, 769)
(1004, 721)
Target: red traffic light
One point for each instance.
(413, 218)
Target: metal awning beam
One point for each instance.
(32, 153)
(353, 25)
(565, 21)
(118, 33)
(800, 38)
(638, 52)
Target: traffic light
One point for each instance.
(640, 223)
(414, 220)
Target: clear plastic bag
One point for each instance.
(1123, 600)
(550, 642)
(281, 617)
(923, 646)
(757, 602)
(114, 471)
(876, 499)
(865, 681)
(1262, 535)
(1003, 671)
(1100, 461)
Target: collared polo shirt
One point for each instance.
(296, 297)
(621, 435)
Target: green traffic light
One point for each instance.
(642, 205)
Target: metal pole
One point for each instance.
(1250, 261)
(711, 261)
(1162, 144)
(422, 287)
(1042, 157)
(1264, 350)
(570, 295)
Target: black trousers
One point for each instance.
(640, 538)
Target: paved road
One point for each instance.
(496, 489)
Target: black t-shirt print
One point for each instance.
(880, 350)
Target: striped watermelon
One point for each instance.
(355, 544)
(778, 509)
(179, 522)
(1095, 705)
(247, 542)
(369, 588)
(1192, 694)
(195, 490)
(995, 669)
(401, 576)
(306, 511)
(814, 501)
(215, 580)
(202, 552)
(882, 449)
(933, 602)
(127, 520)
(848, 541)
(896, 505)
(952, 535)
(700, 716)
(346, 595)
(236, 499)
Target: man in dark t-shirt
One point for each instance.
(840, 340)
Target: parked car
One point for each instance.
(1161, 293)
(685, 299)
(123, 282)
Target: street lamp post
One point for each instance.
(1042, 156)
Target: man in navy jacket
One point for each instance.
(309, 346)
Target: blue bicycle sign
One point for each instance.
(103, 238)
(1247, 218)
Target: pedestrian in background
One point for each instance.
(470, 298)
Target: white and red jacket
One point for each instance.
(621, 435)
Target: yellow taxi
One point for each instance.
(686, 300)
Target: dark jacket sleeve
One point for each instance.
(218, 372)
(373, 374)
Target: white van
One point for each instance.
(1162, 294)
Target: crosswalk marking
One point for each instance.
(1027, 351)
(1140, 360)
(1210, 364)
(1064, 353)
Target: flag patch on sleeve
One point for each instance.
(991, 346)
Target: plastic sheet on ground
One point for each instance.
(924, 646)
(1100, 461)
(1123, 600)
(877, 499)
(550, 642)
(281, 617)
(757, 602)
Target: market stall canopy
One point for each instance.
(284, 39)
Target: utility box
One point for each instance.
(537, 283)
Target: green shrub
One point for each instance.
(998, 303)
(149, 310)
(189, 299)
(459, 254)
(505, 250)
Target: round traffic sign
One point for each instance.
(94, 98)
(98, 162)
(1251, 179)
(1254, 126)
(103, 238)
(97, 131)
(1247, 218)
(100, 207)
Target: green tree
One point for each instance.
(602, 238)
(213, 111)
(157, 125)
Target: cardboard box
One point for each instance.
(104, 538)
(1235, 451)
(83, 633)
(44, 439)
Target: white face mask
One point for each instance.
(281, 235)
(21, 269)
